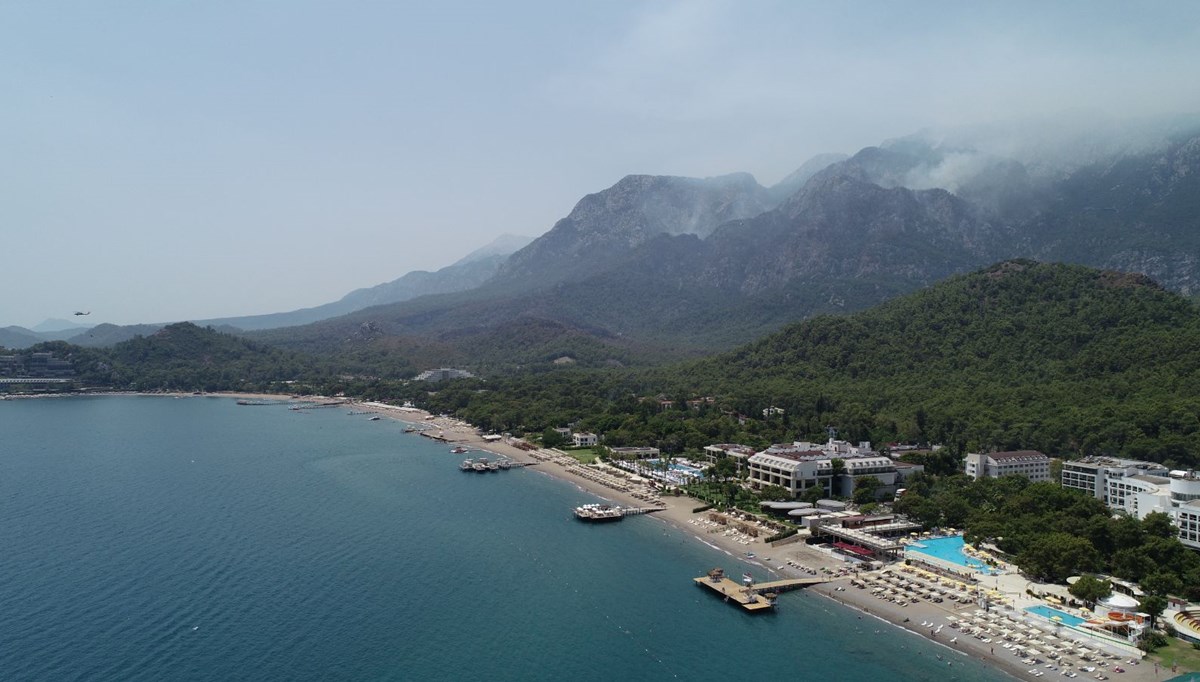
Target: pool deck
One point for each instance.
(963, 562)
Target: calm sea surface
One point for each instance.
(194, 539)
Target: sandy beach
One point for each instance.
(933, 621)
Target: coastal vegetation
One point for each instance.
(1067, 360)
(1053, 533)
(185, 357)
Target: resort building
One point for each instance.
(582, 440)
(864, 537)
(801, 465)
(1140, 488)
(636, 452)
(739, 454)
(1101, 477)
(35, 365)
(1028, 463)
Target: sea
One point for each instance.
(152, 538)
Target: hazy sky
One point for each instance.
(169, 160)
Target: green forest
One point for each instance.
(1068, 360)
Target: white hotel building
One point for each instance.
(1028, 463)
(801, 465)
(1140, 488)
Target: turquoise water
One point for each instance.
(950, 549)
(193, 539)
(675, 466)
(1048, 613)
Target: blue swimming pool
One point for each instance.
(1050, 613)
(691, 471)
(949, 549)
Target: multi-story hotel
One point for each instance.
(1028, 463)
(801, 465)
(1141, 488)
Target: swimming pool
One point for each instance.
(1049, 614)
(950, 549)
(690, 471)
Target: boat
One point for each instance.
(375, 418)
(458, 450)
(466, 465)
(598, 513)
(480, 465)
(492, 466)
(410, 429)
(505, 464)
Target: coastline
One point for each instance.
(781, 561)
(774, 562)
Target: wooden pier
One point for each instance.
(754, 597)
(630, 511)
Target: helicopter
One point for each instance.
(79, 313)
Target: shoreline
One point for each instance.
(778, 562)
(775, 562)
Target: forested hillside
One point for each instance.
(190, 358)
(1065, 359)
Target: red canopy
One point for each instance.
(861, 551)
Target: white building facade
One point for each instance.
(1139, 489)
(584, 439)
(801, 465)
(1028, 463)
(1101, 477)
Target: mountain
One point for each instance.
(50, 330)
(56, 325)
(660, 267)
(18, 337)
(108, 334)
(797, 178)
(1138, 213)
(504, 245)
(603, 227)
(186, 357)
(467, 273)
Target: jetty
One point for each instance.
(751, 596)
(483, 465)
(608, 512)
